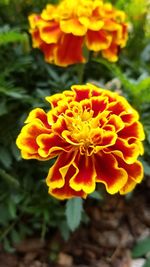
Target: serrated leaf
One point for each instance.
(74, 212)
(141, 248)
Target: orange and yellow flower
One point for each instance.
(95, 135)
(62, 31)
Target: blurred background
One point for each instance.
(37, 230)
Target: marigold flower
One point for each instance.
(95, 135)
(62, 31)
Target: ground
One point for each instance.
(107, 241)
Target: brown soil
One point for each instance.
(106, 241)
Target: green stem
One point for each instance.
(81, 67)
(80, 73)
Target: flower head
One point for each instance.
(62, 31)
(95, 135)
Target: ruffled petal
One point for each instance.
(85, 178)
(54, 99)
(69, 50)
(98, 40)
(66, 192)
(67, 135)
(33, 20)
(27, 139)
(128, 152)
(135, 175)
(117, 122)
(111, 53)
(109, 173)
(48, 51)
(119, 106)
(38, 113)
(93, 23)
(104, 139)
(57, 176)
(99, 104)
(50, 32)
(81, 92)
(49, 12)
(134, 130)
(36, 39)
(73, 26)
(50, 145)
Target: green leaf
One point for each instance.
(8, 178)
(5, 216)
(141, 248)
(5, 157)
(144, 84)
(7, 246)
(12, 208)
(3, 108)
(96, 195)
(147, 263)
(73, 212)
(146, 167)
(143, 90)
(11, 36)
(15, 237)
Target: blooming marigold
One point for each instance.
(95, 135)
(61, 31)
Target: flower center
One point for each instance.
(83, 130)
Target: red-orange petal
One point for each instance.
(109, 173)
(27, 139)
(69, 50)
(57, 174)
(135, 175)
(38, 113)
(111, 53)
(48, 51)
(128, 152)
(98, 40)
(99, 104)
(66, 192)
(85, 178)
(81, 92)
(36, 39)
(50, 32)
(50, 145)
(134, 130)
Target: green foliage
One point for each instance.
(10, 36)
(74, 212)
(141, 248)
(147, 263)
(25, 79)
